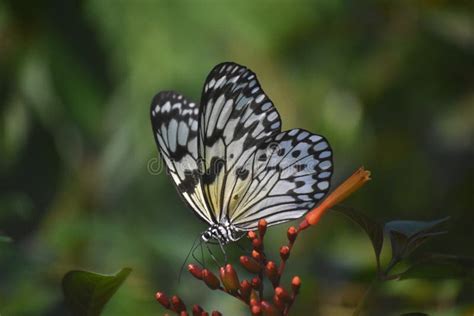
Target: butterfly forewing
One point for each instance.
(236, 118)
(175, 123)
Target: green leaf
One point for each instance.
(411, 228)
(4, 238)
(414, 314)
(373, 229)
(86, 293)
(406, 236)
(441, 266)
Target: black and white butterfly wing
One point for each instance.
(291, 173)
(236, 118)
(253, 170)
(175, 127)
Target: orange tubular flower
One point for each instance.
(352, 184)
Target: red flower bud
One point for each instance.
(284, 252)
(271, 271)
(257, 244)
(257, 255)
(210, 279)
(296, 284)
(162, 299)
(204, 314)
(278, 303)
(256, 310)
(245, 290)
(292, 234)
(177, 304)
(250, 264)
(282, 294)
(216, 313)
(268, 309)
(256, 283)
(183, 313)
(195, 271)
(262, 227)
(197, 310)
(251, 235)
(229, 278)
(254, 299)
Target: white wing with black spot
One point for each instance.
(175, 123)
(290, 174)
(236, 118)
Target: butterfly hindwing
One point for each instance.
(290, 174)
(236, 118)
(175, 123)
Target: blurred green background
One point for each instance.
(389, 83)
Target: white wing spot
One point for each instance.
(325, 165)
(321, 146)
(325, 154)
(318, 196)
(266, 106)
(166, 107)
(219, 82)
(260, 98)
(323, 185)
(211, 83)
(302, 136)
(272, 116)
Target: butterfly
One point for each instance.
(229, 159)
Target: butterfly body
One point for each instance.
(229, 159)
(223, 233)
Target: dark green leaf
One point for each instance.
(86, 293)
(411, 228)
(373, 229)
(414, 314)
(406, 236)
(399, 244)
(439, 266)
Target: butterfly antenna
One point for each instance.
(187, 257)
(194, 256)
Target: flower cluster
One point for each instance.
(251, 291)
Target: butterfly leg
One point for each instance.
(212, 255)
(223, 251)
(246, 251)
